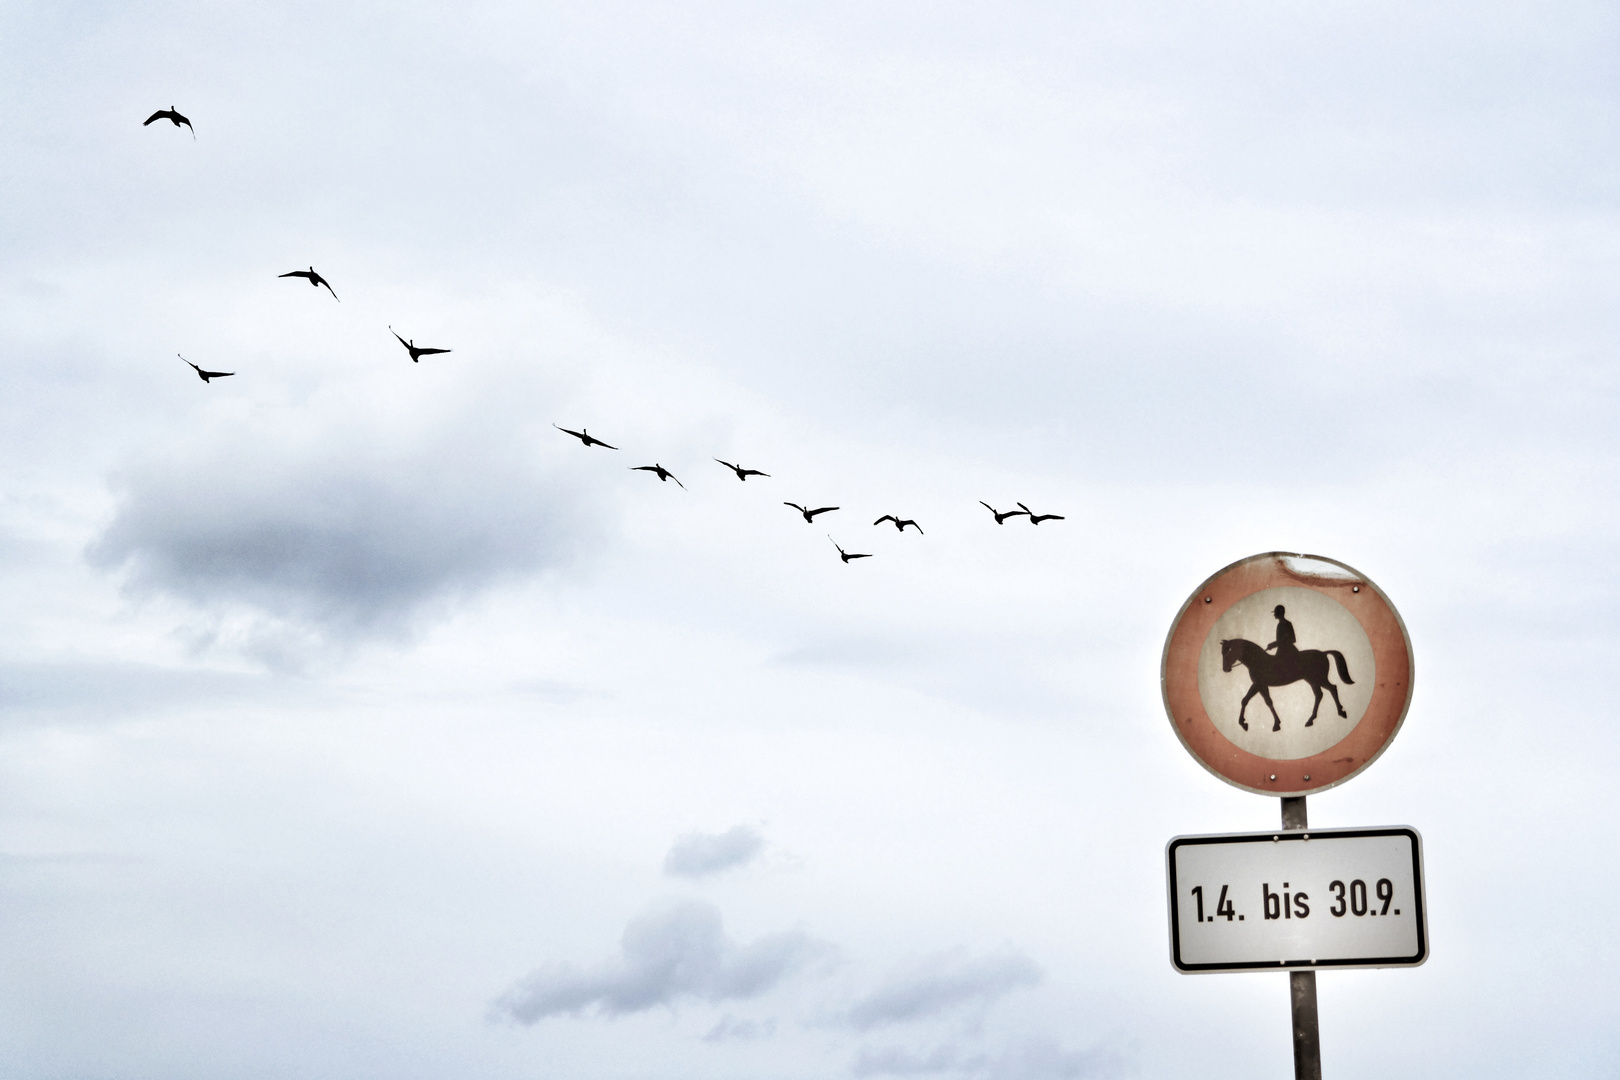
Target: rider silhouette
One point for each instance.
(1287, 651)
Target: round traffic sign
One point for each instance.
(1286, 674)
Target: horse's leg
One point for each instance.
(1253, 690)
(1276, 720)
(1334, 690)
(1316, 688)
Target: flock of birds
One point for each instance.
(588, 440)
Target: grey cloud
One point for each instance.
(335, 545)
(940, 983)
(699, 854)
(680, 952)
(732, 1029)
(1034, 1059)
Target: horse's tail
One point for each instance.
(1344, 672)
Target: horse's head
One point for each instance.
(1231, 653)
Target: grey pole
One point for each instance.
(1302, 984)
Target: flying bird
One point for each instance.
(317, 281)
(847, 555)
(899, 523)
(742, 473)
(1036, 519)
(1000, 516)
(584, 436)
(810, 515)
(663, 473)
(206, 375)
(410, 346)
(173, 117)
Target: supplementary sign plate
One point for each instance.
(1297, 899)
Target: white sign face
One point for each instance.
(1297, 899)
(1296, 720)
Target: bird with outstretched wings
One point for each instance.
(172, 116)
(663, 473)
(847, 555)
(206, 375)
(810, 515)
(585, 437)
(410, 346)
(317, 281)
(742, 473)
(899, 523)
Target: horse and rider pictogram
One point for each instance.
(1290, 665)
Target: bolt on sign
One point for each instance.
(1319, 898)
(1286, 674)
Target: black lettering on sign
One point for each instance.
(1223, 906)
(1337, 910)
(1301, 908)
(1386, 893)
(1358, 897)
(1199, 893)
(1271, 901)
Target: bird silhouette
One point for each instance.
(742, 473)
(1000, 516)
(810, 515)
(1036, 519)
(317, 281)
(172, 116)
(206, 375)
(410, 346)
(847, 555)
(899, 523)
(663, 473)
(588, 439)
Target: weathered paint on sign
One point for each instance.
(1286, 674)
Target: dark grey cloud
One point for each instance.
(940, 983)
(679, 952)
(1034, 1059)
(697, 854)
(334, 545)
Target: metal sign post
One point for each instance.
(1285, 674)
(1302, 984)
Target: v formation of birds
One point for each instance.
(586, 439)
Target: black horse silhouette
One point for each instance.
(1266, 671)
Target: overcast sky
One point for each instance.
(354, 722)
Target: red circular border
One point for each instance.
(1178, 677)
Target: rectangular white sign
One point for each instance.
(1312, 898)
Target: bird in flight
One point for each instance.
(317, 281)
(742, 473)
(847, 555)
(206, 375)
(1000, 516)
(410, 346)
(588, 439)
(663, 473)
(810, 515)
(899, 523)
(1036, 519)
(172, 116)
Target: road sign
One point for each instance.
(1286, 674)
(1297, 899)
